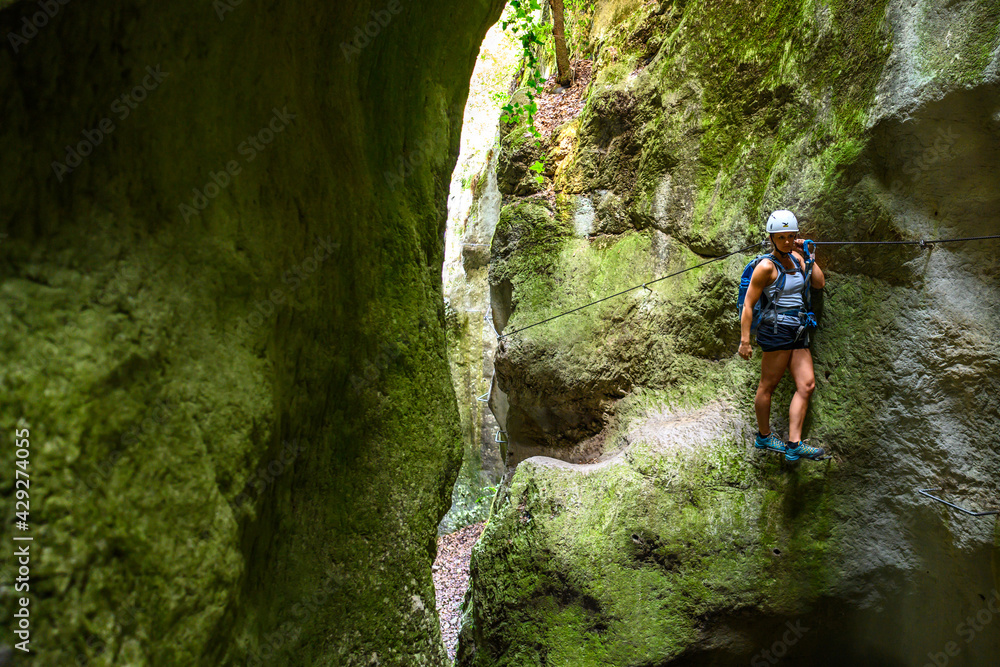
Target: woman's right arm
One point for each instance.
(763, 275)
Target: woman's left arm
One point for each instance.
(818, 279)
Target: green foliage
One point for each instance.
(536, 36)
(498, 96)
(487, 493)
(538, 167)
(521, 22)
(579, 16)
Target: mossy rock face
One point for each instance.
(560, 400)
(564, 377)
(481, 464)
(627, 561)
(847, 114)
(242, 425)
(519, 150)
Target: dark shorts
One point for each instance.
(773, 337)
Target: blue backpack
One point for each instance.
(806, 317)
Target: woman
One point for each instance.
(781, 337)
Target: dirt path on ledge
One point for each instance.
(451, 576)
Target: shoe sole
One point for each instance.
(807, 458)
(768, 449)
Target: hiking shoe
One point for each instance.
(769, 441)
(795, 450)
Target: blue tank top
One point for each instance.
(789, 298)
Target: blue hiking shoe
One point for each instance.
(795, 450)
(770, 441)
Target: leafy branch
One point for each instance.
(521, 23)
(486, 493)
(561, 39)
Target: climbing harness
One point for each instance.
(924, 492)
(769, 297)
(807, 318)
(923, 243)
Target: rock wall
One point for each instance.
(640, 527)
(223, 325)
(473, 211)
(471, 346)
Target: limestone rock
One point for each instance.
(223, 325)
(871, 122)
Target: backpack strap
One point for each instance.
(779, 284)
(807, 318)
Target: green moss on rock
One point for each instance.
(621, 562)
(743, 109)
(191, 535)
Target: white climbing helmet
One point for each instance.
(782, 221)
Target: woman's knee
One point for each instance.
(765, 388)
(806, 387)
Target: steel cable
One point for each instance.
(923, 243)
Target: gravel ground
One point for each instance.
(451, 576)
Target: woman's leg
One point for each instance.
(801, 365)
(772, 368)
